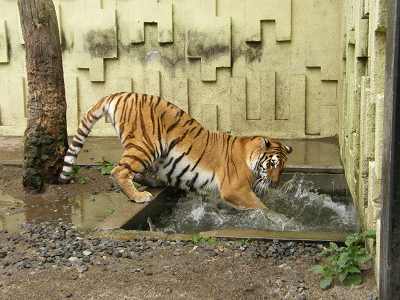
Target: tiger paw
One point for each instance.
(142, 197)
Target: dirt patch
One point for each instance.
(39, 264)
(11, 183)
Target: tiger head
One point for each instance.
(268, 161)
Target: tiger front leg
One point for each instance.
(124, 178)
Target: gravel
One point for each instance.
(58, 244)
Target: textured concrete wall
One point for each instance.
(361, 117)
(247, 66)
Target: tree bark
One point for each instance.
(45, 139)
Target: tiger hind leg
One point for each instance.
(124, 174)
(150, 177)
(148, 180)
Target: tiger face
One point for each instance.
(270, 163)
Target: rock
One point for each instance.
(208, 252)
(3, 254)
(136, 270)
(74, 276)
(87, 253)
(23, 264)
(133, 255)
(177, 252)
(82, 268)
(301, 297)
(116, 253)
(74, 260)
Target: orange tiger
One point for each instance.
(153, 132)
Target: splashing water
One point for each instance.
(296, 205)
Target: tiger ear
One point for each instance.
(266, 143)
(288, 149)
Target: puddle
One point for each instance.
(84, 211)
(296, 206)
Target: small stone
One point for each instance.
(3, 254)
(301, 297)
(177, 252)
(209, 252)
(68, 295)
(116, 254)
(73, 259)
(136, 270)
(148, 273)
(74, 276)
(82, 268)
(87, 252)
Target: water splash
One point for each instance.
(296, 205)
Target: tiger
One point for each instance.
(155, 132)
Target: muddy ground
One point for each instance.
(52, 260)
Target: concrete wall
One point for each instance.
(247, 66)
(361, 117)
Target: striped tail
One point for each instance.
(90, 118)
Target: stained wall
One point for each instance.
(268, 67)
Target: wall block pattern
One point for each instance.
(97, 39)
(210, 44)
(153, 11)
(247, 67)
(272, 10)
(3, 42)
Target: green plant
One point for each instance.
(197, 239)
(345, 263)
(82, 179)
(110, 211)
(244, 242)
(106, 167)
(77, 177)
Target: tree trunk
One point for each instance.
(45, 140)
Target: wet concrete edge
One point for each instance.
(121, 234)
